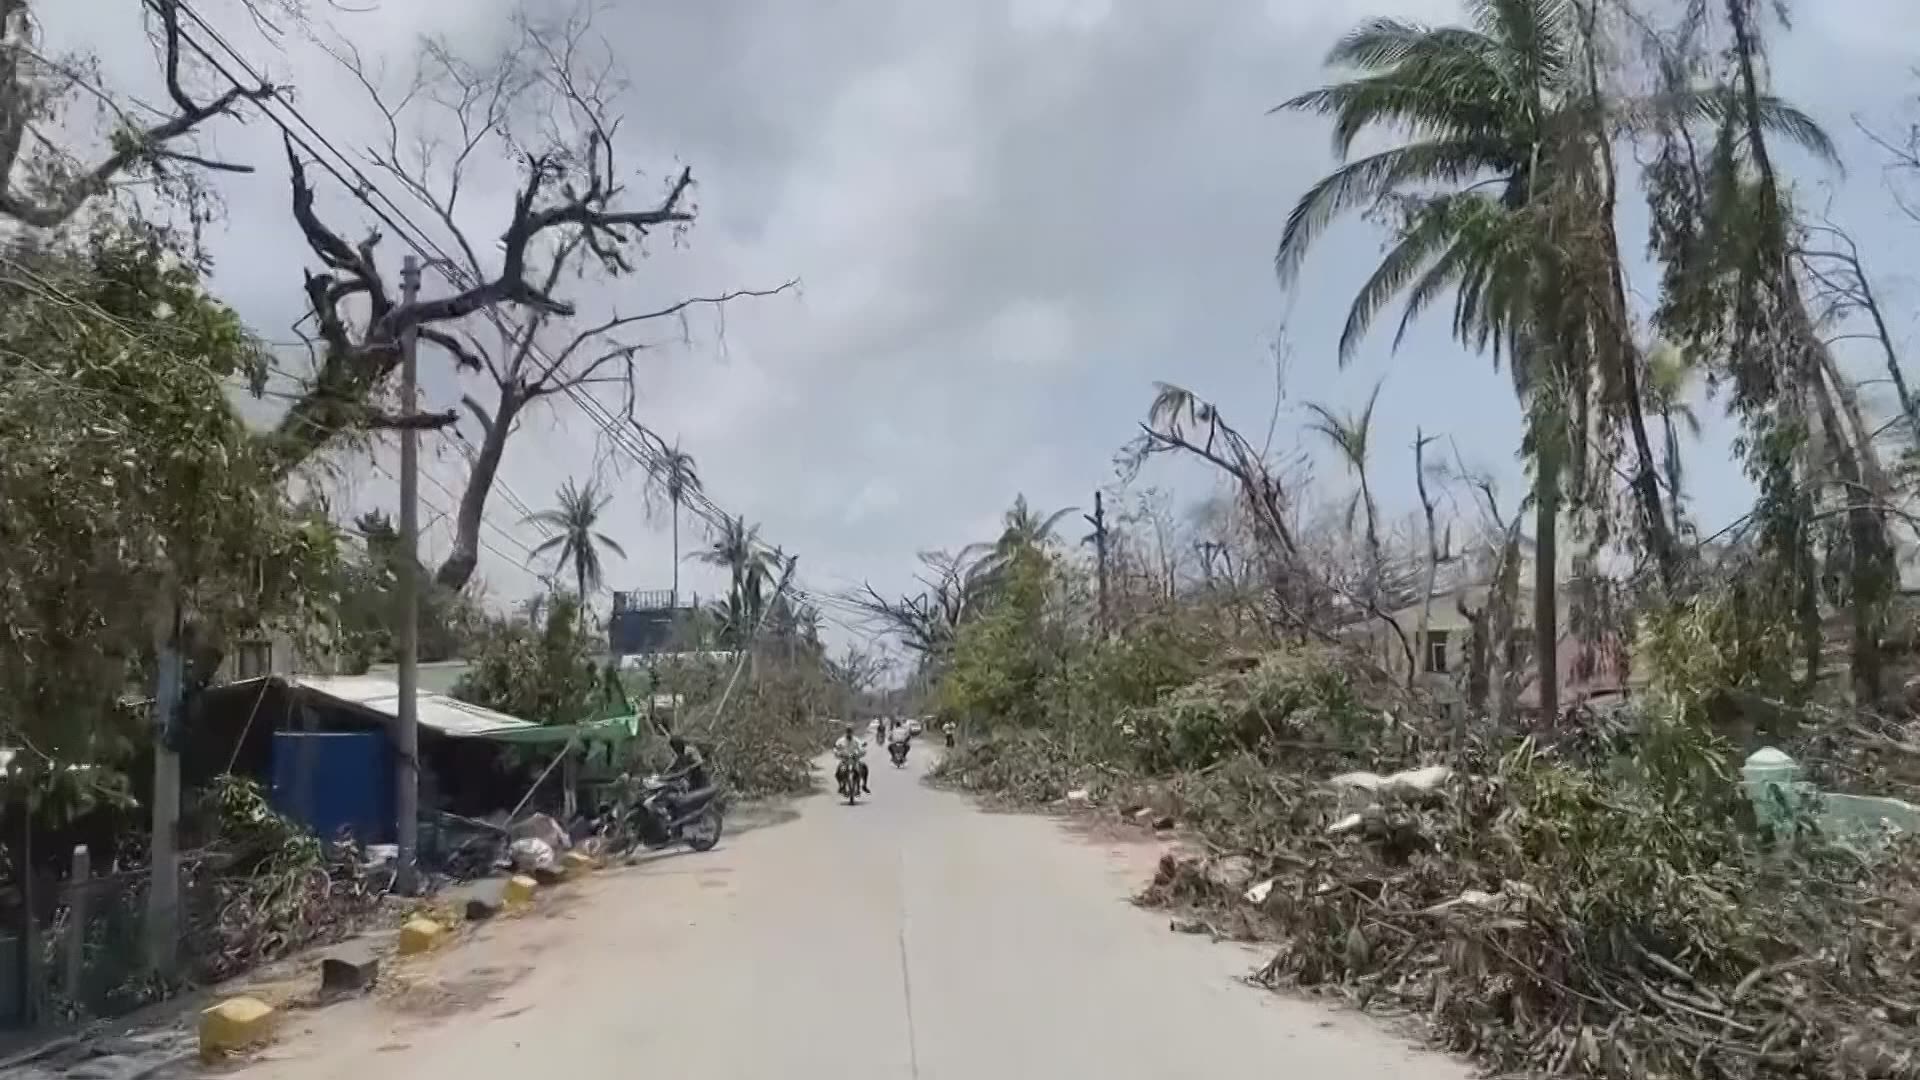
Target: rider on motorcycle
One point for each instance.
(848, 750)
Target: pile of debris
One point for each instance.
(1544, 917)
(268, 887)
(1024, 767)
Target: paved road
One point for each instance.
(911, 936)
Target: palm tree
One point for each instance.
(575, 537)
(750, 565)
(1352, 436)
(1508, 155)
(1023, 531)
(678, 476)
(1478, 102)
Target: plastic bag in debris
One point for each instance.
(540, 827)
(530, 853)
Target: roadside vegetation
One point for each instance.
(1568, 883)
(177, 483)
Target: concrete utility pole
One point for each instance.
(163, 892)
(406, 735)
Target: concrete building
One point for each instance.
(1441, 654)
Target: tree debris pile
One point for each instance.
(268, 887)
(1300, 705)
(1023, 767)
(1542, 917)
(1559, 911)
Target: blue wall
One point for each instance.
(326, 780)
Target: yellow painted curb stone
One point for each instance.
(575, 863)
(520, 889)
(235, 1024)
(420, 935)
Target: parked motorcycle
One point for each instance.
(898, 752)
(667, 813)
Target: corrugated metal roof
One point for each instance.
(446, 715)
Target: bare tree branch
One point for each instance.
(1841, 285)
(24, 96)
(550, 97)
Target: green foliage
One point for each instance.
(1100, 677)
(1001, 656)
(549, 673)
(1290, 702)
(129, 480)
(234, 813)
(1725, 658)
(1023, 766)
(366, 609)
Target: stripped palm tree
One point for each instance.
(1352, 437)
(678, 477)
(1508, 156)
(575, 536)
(750, 565)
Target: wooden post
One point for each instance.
(79, 892)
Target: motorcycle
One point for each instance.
(898, 752)
(668, 812)
(847, 776)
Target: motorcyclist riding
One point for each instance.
(849, 750)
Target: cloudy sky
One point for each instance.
(1009, 219)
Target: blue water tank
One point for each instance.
(333, 780)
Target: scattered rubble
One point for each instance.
(350, 970)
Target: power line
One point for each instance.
(423, 244)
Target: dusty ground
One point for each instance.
(908, 936)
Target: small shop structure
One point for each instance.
(323, 747)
